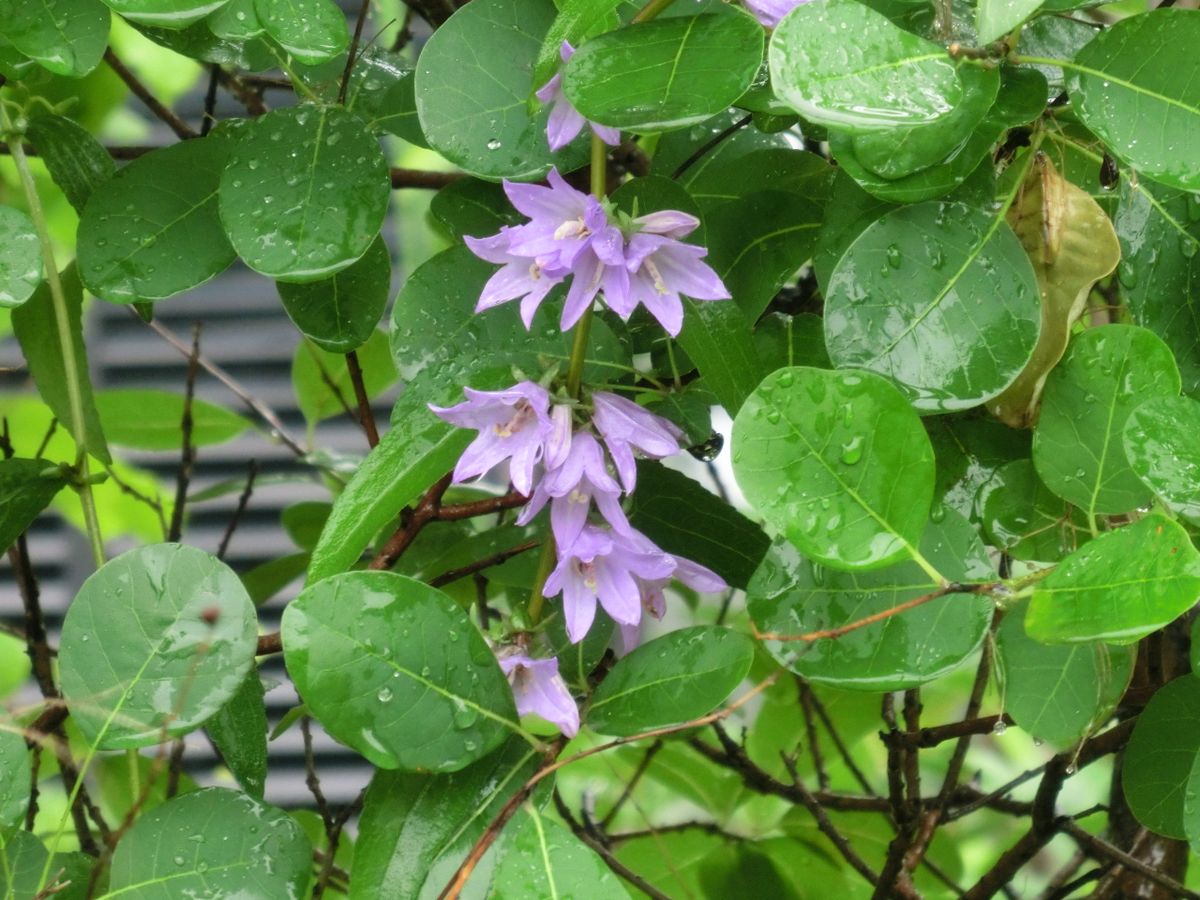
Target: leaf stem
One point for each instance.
(72, 371)
(650, 11)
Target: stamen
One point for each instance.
(659, 284)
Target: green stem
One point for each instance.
(545, 567)
(72, 371)
(650, 10)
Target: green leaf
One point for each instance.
(22, 861)
(1162, 443)
(14, 775)
(716, 337)
(665, 74)
(153, 420)
(840, 63)
(939, 297)
(305, 192)
(488, 130)
(322, 379)
(266, 580)
(303, 522)
(174, 14)
(239, 732)
(543, 859)
(577, 660)
(1072, 245)
(340, 313)
(1157, 767)
(1137, 87)
(311, 30)
(20, 258)
(1118, 587)
(68, 37)
(76, 161)
(416, 829)
(847, 214)
(212, 841)
(576, 21)
(670, 860)
(1077, 446)
(1060, 693)
(683, 517)
(1025, 519)
(969, 452)
(786, 169)
(791, 595)
(380, 658)
(26, 488)
(679, 676)
(474, 207)
(152, 230)
(838, 462)
(759, 242)
(36, 328)
(154, 644)
(677, 148)
(996, 18)
(235, 21)
(783, 340)
(15, 669)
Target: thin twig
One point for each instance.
(487, 562)
(643, 765)
(187, 461)
(365, 417)
(311, 780)
(210, 100)
(708, 145)
(243, 500)
(810, 732)
(156, 106)
(1097, 845)
(352, 55)
(604, 853)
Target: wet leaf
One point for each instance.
(1162, 443)
(380, 657)
(1025, 519)
(68, 37)
(77, 162)
(14, 774)
(20, 258)
(311, 30)
(165, 13)
(782, 340)
(544, 859)
(996, 18)
(1159, 763)
(239, 732)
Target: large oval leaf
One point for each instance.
(939, 297)
(20, 258)
(488, 130)
(395, 669)
(211, 843)
(838, 462)
(1077, 445)
(165, 13)
(305, 192)
(679, 676)
(841, 63)
(1137, 86)
(152, 231)
(665, 74)
(155, 642)
(1162, 441)
(1159, 760)
(68, 37)
(311, 30)
(1119, 587)
(791, 595)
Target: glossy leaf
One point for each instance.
(152, 230)
(153, 420)
(848, 213)
(304, 193)
(154, 644)
(489, 131)
(1077, 445)
(882, 77)
(236, 20)
(576, 21)
(665, 74)
(791, 595)
(22, 860)
(938, 297)
(805, 175)
(1162, 440)
(379, 658)
(1136, 86)
(322, 380)
(416, 829)
(543, 859)
(969, 452)
(20, 258)
(239, 732)
(996, 18)
(782, 340)
(76, 161)
(1160, 758)
(716, 337)
(26, 488)
(474, 207)
(838, 462)
(68, 37)
(311, 30)
(14, 774)
(1072, 245)
(165, 13)
(1059, 693)
(1026, 519)
(212, 841)
(338, 314)
(1118, 587)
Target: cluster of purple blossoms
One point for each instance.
(627, 260)
(581, 473)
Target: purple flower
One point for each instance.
(539, 689)
(571, 488)
(769, 12)
(565, 120)
(625, 426)
(603, 566)
(513, 425)
(654, 601)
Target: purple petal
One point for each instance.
(584, 286)
(494, 249)
(606, 133)
(668, 222)
(683, 271)
(610, 508)
(481, 456)
(510, 282)
(568, 515)
(557, 203)
(618, 592)
(559, 444)
(551, 89)
(697, 577)
(579, 611)
(565, 51)
(538, 500)
(564, 124)
(666, 307)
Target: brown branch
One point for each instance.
(269, 643)
(487, 562)
(419, 178)
(939, 734)
(808, 712)
(187, 461)
(840, 744)
(240, 509)
(604, 853)
(366, 418)
(209, 118)
(627, 791)
(1098, 846)
(156, 106)
(352, 55)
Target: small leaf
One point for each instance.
(322, 380)
(14, 775)
(716, 337)
(304, 193)
(969, 453)
(576, 21)
(841, 63)
(996, 18)
(152, 230)
(77, 162)
(474, 207)
(303, 522)
(665, 74)
(679, 676)
(235, 21)
(1118, 587)
(68, 37)
(838, 462)
(379, 658)
(1162, 442)
(1158, 763)
(1025, 519)
(20, 258)
(544, 859)
(1077, 446)
(22, 861)
(155, 642)
(153, 420)
(783, 340)
(26, 488)
(175, 14)
(311, 30)
(212, 841)
(239, 732)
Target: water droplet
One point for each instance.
(384, 695)
(493, 144)
(852, 450)
(178, 860)
(893, 256)
(773, 416)
(1000, 727)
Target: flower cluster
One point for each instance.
(627, 260)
